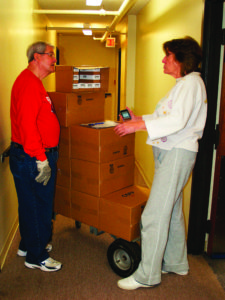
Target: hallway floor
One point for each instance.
(86, 274)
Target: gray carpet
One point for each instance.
(86, 273)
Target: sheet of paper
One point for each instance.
(98, 125)
(105, 124)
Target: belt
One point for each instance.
(49, 150)
(17, 145)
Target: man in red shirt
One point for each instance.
(33, 156)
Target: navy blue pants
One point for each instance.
(35, 202)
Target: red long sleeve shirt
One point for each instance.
(34, 124)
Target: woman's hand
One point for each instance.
(129, 127)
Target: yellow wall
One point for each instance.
(18, 29)
(84, 51)
(123, 28)
(158, 22)
(131, 61)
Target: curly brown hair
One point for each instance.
(187, 52)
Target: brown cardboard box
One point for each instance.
(63, 172)
(65, 79)
(84, 208)
(101, 179)
(78, 108)
(62, 201)
(64, 142)
(120, 212)
(99, 145)
(104, 79)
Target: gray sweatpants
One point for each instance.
(163, 240)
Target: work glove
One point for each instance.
(44, 171)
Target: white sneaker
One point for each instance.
(182, 273)
(24, 253)
(48, 265)
(130, 283)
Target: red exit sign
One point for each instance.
(110, 42)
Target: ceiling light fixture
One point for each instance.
(87, 32)
(93, 2)
(87, 29)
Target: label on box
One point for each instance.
(90, 77)
(96, 85)
(75, 86)
(75, 77)
(89, 70)
(83, 85)
(75, 70)
(89, 85)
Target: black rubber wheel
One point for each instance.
(124, 257)
(78, 224)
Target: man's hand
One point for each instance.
(44, 172)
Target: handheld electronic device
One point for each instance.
(125, 114)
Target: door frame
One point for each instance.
(216, 216)
(202, 173)
(119, 83)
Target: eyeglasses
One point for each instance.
(50, 54)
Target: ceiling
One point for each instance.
(69, 16)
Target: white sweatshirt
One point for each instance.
(179, 118)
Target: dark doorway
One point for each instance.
(201, 180)
(119, 83)
(216, 241)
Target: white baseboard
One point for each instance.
(8, 243)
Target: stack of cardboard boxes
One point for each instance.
(95, 179)
(73, 79)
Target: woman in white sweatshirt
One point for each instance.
(173, 132)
